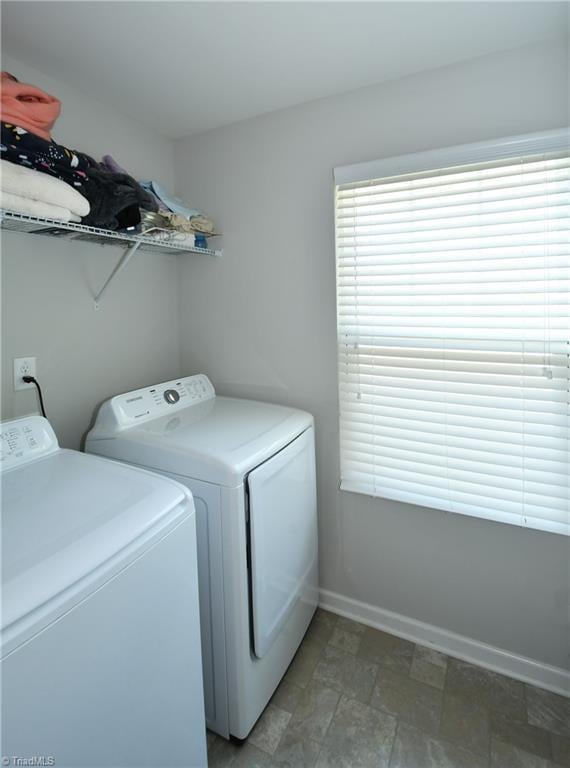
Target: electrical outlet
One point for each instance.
(23, 366)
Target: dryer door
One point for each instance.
(283, 537)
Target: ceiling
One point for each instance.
(184, 67)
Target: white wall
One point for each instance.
(85, 356)
(261, 323)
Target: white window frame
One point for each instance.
(480, 152)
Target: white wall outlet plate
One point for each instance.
(23, 366)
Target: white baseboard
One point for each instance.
(519, 667)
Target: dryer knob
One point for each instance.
(171, 396)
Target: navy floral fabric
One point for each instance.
(115, 198)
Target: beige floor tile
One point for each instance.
(327, 617)
(346, 641)
(303, 665)
(561, 750)
(415, 749)
(249, 756)
(346, 673)
(429, 666)
(314, 712)
(548, 710)
(508, 756)
(321, 628)
(295, 751)
(486, 688)
(465, 723)
(522, 735)
(287, 696)
(415, 703)
(221, 752)
(358, 736)
(349, 625)
(269, 729)
(389, 651)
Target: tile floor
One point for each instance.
(355, 697)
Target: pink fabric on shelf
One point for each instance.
(27, 106)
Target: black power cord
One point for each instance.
(31, 380)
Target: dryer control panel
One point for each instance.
(159, 400)
(23, 440)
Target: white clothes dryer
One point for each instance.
(100, 647)
(251, 469)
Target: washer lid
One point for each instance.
(217, 440)
(66, 515)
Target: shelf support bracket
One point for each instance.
(121, 264)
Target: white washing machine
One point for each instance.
(251, 469)
(100, 642)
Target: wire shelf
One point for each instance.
(163, 241)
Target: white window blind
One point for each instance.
(454, 329)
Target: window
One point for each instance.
(454, 329)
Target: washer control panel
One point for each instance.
(23, 440)
(151, 402)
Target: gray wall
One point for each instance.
(83, 355)
(261, 323)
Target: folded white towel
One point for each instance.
(29, 207)
(35, 185)
(171, 236)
